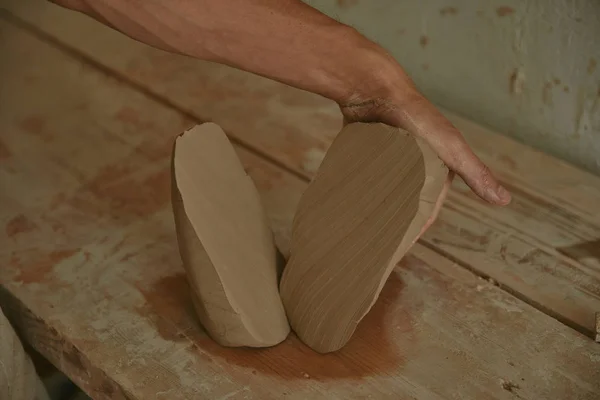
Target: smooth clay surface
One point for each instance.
(372, 195)
(225, 242)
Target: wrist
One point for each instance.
(380, 92)
(375, 85)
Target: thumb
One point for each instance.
(421, 118)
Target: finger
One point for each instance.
(421, 118)
(475, 173)
(438, 205)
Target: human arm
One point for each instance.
(291, 42)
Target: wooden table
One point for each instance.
(493, 303)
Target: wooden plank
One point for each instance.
(544, 248)
(92, 278)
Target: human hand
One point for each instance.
(400, 104)
(438, 203)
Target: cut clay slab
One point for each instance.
(374, 192)
(225, 242)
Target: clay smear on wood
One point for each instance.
(374, 192)
(225, 242)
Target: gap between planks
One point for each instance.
(521, 296)
(161, 99)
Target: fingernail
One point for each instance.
(503, 195)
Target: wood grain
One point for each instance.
(92, 278)
(554, 208)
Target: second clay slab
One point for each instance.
(373, 193)
(225, 242)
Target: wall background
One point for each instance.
(527, 68)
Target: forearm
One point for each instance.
(285, 40)
(288, 41)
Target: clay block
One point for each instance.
(373, 193)
(225, 242)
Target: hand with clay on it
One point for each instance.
(392, 98)
(397, 102)
(440, 200)
(415, 114)
(293, 43)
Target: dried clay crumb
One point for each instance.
(509, 386)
